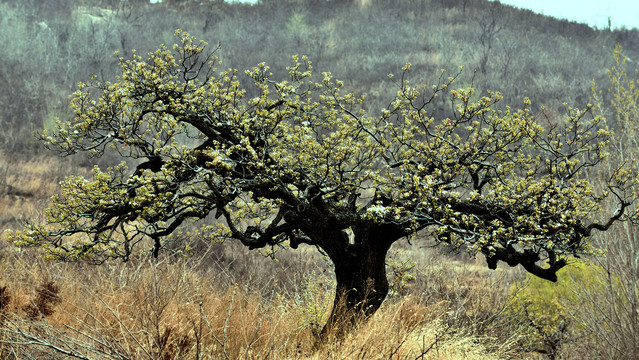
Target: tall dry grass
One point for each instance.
(26, 184)
(184, 308)
(225, 302)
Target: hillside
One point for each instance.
(49, 47)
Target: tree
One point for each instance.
(609, 311)
(488, 24)
(302, 162)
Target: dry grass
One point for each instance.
(25, 184)
(180, 308)
(228, 303)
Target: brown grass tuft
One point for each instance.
(46, 298)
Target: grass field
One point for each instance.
(225, 302)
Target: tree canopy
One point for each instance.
(301, 161)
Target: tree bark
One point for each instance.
(360, 271)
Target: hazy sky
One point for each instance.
(592, 12)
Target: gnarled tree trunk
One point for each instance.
(360, 271)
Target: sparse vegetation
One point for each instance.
(304, 163)
(177, 308)
(202, 300)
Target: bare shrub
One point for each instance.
(46, 298)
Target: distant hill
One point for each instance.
(50, 46)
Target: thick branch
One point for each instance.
(528, 259)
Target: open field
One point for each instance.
(227, 302)
(183, 308)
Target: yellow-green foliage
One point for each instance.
(621, 104)
(313, 301)
(485, 178)
(548, 307)
(296, 25)
(403, 271)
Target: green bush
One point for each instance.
(549, 310)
